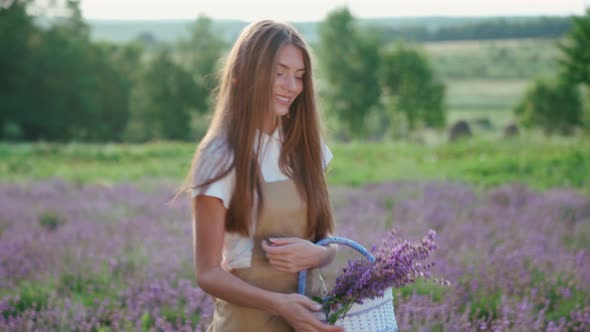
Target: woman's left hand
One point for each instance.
(291, 254)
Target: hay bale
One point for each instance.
(511, 130)
(458, 130)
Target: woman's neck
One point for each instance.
(270, 125)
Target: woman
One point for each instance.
(260, 198)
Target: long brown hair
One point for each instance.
(242, 103)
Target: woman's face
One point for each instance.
(288, 82)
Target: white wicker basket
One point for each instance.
(374, 315)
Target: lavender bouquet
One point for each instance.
(396, 264)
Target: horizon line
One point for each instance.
(358, 17)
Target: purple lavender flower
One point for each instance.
(397, 263)
(518, 258)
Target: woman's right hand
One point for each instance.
(297, 310)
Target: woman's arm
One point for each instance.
(208, 235)
(292, 254)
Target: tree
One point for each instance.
(412, 87)
(349, 60)
(576, 52)
(17, 32)
(555, 106)
(575, 64)
(200, 55)
(170, 91)
(114, 67)
(56, 83)
(62, 85)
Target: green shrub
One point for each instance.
(50, 220)
(554, 106)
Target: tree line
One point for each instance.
(494, 28)
(59, 85)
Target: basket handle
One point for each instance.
(338, 240)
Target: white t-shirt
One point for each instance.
(237, 249)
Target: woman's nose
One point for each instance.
(290, 83)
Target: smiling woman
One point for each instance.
(259, 193)
(289, 78)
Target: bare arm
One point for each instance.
(208, 235)
(292, 254)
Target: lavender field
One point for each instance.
(90, 257)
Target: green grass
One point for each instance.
(540, 164)
(536, 161)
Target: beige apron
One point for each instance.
(284, 215)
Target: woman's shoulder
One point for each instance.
(214, 148)
(213, 154)
(213, 158)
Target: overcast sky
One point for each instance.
(313, 10)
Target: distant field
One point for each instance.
(484, 94)
(486, 79)
(496, 59)
(536, 161)
(493, 100)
